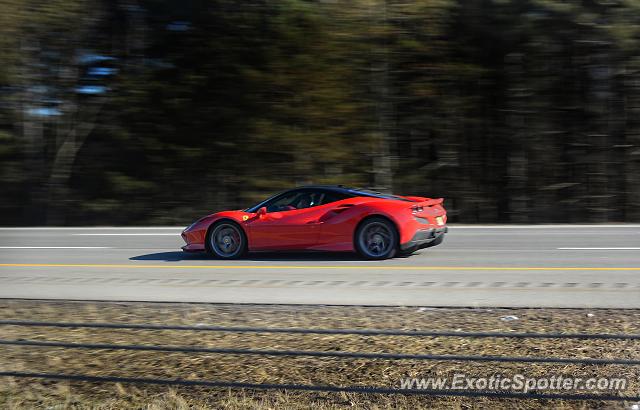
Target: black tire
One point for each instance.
(226, 240)
(376, 238)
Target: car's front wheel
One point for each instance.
(226, 240)
(376, 238)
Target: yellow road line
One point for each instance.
(351, 267)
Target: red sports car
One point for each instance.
(323, 218)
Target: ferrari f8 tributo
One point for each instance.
(323, 218)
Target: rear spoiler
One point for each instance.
(430, 202)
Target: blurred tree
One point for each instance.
(51, 109)
(157, 111)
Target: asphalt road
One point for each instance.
(499, 266)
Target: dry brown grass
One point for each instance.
(27, 393)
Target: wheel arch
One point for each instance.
(376, 215)
(217, 221)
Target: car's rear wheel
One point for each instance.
(226, 240)
(376, 238)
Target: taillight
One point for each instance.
(417, 209)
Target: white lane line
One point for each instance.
(600, 249)
(543, 226)
(453, 226)
(89, 228)
(55, 247)
(126, 234)
(534, 232)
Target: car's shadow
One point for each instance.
(255, 257)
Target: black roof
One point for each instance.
(348, 191)
(354, 191)
(339, 188)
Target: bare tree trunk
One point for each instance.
(601, 197)
(382, 156)
(33, 134)
(632, 154)
(517, 128)
(61, 169)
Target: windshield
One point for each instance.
(259, 205)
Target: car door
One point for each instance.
(291, 222)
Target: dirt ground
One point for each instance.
(20, 393)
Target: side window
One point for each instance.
(284, 203)
(308, 199)
(296, 200)
(333, 197)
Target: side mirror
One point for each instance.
(262, 212)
